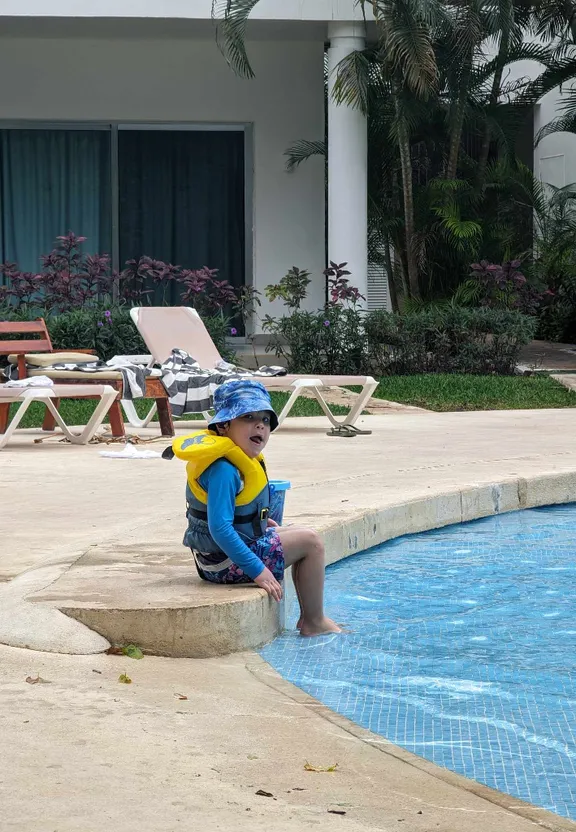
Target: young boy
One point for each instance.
(229, 532)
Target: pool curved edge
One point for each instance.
(267, 675)
(445, 508)
(376, 526)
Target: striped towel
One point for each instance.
(191, 388)
(133, 375)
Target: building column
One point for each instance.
(347, 165)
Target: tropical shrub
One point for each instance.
(330, 340)
(343, 338)
(452, 340)
(502, 286)
(70, 280)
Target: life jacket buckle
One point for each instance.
(264, 514)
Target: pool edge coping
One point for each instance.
(269, 676)
(262, 619)
(445, 508)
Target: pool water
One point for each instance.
(462, 650)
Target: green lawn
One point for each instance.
(77, 412)
(464, 392)
(433, 392)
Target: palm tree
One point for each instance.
(438, 109)
(460, 44)
(408, 65)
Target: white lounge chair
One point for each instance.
(24, 396)
(165, 328)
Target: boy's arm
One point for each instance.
(222, 481)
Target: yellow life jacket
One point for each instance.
(202, 448)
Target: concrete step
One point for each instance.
(151, 595)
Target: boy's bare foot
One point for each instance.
(319, 628)
(299, 625)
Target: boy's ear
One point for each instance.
(223, 428)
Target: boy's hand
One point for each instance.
(266, 580)
(272, 524)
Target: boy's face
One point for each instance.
(250, 432)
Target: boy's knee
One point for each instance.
(315, 543)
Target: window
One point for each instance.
(52, 182)
(181, 198)
(176, 195)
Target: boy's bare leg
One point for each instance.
(304, 547)
(296, 587)
(295, 578)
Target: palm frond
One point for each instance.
(231, 18)
(302, 150)
(564, 124)
(467, 293)
(462, 230)
(556, 73)
(407, 41)
(353, 79)
(500, 21)
(555, 19)
(521, 52)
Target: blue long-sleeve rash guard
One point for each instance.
(222, 483)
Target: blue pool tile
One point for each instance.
(462, 649)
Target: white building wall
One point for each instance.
(180, 80)
(554, 156)
(323, 10)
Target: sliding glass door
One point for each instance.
(172, 194)
(181, 198)
(52, 182)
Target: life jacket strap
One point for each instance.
(239, 519)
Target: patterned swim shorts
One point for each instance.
(268, 548)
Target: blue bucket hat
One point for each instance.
(237, 398)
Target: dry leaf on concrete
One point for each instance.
(309, 767)
(126, 680)
(37, 680)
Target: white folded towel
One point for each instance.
(33, 381)
(128, 360)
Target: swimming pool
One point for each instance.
(462, 650)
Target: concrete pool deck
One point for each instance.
(80, 532)
(189, 743)
(100, 539)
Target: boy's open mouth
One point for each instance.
(256, 439)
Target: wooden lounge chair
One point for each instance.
(166, 328)
(39, 354)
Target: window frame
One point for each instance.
(113, 128)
